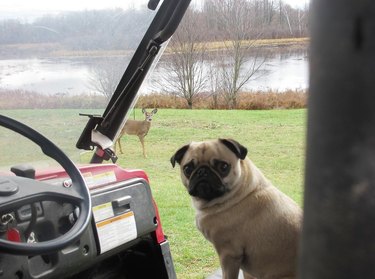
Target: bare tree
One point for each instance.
(270, 18)
(215, 88)
(184, 67)
(237, 65)
(286, 14)
(296, 19)
(106, 74)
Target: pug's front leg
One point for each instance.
(248, 276)
(230, 266)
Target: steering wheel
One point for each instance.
(18, 191)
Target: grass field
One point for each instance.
(281, 42)
(58, 50)
(275, 140)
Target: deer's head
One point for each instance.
(148, 115)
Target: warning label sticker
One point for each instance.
(99, 179)
(116, 231)
(103, 211)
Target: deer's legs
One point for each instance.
(142, 140)
(119, 145)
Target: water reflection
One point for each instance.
(44, 76)
(280, 72)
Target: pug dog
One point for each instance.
(253, 226)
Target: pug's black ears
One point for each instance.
(177, 157)
(239, 150)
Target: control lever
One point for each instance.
(74, 216)
(24, 170)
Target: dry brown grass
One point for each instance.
(261, 43)
(290, 99)
(291, 43)
(19, 99)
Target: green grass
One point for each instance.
(62, 126)
(274, 138)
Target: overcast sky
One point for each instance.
(25, 8)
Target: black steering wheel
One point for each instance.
(18, 191)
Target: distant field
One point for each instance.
(275, 140)
(284, 42)
(58, 50)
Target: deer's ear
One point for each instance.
(177, 157)
(154, 111)
(238, 149)
(143, 110)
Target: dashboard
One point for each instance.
(123, 217)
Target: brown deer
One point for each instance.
(138, 128)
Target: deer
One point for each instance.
(138, 128)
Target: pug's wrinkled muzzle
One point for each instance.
(206, 184)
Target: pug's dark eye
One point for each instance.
(188, 169)
(222, 167)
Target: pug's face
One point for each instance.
(210, 169)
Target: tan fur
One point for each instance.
(137, 128)
(254, 227)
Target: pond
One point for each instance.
(65, 76)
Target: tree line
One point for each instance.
(106, 29)
(263, 18)
(81, 30)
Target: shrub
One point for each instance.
(291, 99)
(20, 99)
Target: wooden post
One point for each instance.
(338, 239)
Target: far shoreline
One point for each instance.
(56, 50)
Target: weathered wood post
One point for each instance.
(338, 239)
